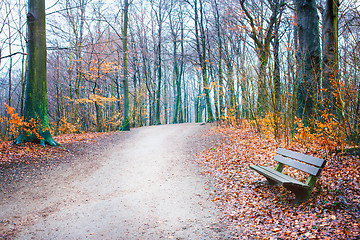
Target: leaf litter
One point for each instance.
(30, 161)
(256, 210)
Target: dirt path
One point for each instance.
(144, 188)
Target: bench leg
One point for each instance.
(271, 182)
(302, 197)
(301, 194)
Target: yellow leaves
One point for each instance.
(267, 124)
(327, 133)
(67, 127)
(303, 135)
(92, 99)
(98, 69)
(230, 118)
(101, 100)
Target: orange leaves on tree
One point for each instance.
(327, 134)
(230, 117)
(99, 69)
(267, 124)
(67, 127)
(17, 124)
(304, 136)
(92, 99)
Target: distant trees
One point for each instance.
(160, 62)
(200, 38)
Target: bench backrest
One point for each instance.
(305, 163)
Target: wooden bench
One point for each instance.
(302, 162)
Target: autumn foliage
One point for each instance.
(17, 124)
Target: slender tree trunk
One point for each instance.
(177, 82)
(125, 126)
(198, 99)
(36, 90)
(58, 94)
(330, 64)
(159, 71)
(277, 81)
(10, 67)
(220, 54)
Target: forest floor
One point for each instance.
(256, 210)
(186, 181)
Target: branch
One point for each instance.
(269, 30)
(64, 9)
(252, 24)
(13, 55)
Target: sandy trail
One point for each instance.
(147, 187)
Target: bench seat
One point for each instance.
(278, 177)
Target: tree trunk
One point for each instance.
(277, 81)
(201, 49)
(159, 72)
(176, 75)
(220, 76)
(262, 42)
(309, 51)
(125, 125)
(36, 90)
(330, 64)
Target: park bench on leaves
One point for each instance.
(302, 162)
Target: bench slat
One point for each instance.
(298, 165)
(268, 174)
(302, 157)
(277, 176)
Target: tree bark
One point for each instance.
(125, 125)
(36, 90)
(330, 57)
(309, 56)
(277, 81)
(158, 65)
(220, 74)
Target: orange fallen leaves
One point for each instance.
(256, 210)
(32, 152)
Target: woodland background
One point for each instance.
(199, 60)
(272, 73)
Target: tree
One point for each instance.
(276, 99)
(221, 109)
(309, 57)
(36, 91)
(160, 20)
(330, 64)
(125, 126)
(262, 40)
(201, 51)
(177, 28)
